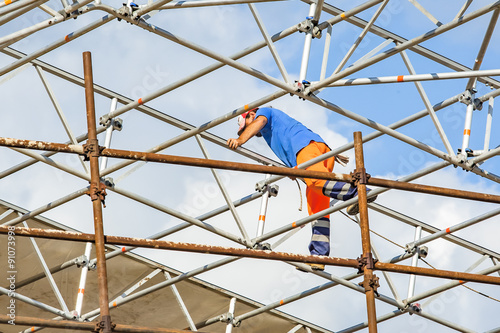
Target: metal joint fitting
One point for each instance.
(91, 149)
(416, 308)
(98, 192)
(226, 317)
(372, 284)
(301, 87)
(117, 124)
(306, 25)
(81, 261)
(105, 120)
(423, 251)
(109, 182)
(467, 96)
(260, 187)
(273, 190)
(411, 249)
(359, 176)
(366, 261)
(92, 266)
(478, 104)
(262, 246)
(105, 325)
(316, 32)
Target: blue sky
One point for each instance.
(134, 63)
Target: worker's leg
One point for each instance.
(316, 200)
(331, 188)
(320, 240)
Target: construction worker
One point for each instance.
(295, 144)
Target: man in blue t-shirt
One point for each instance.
(295, 144)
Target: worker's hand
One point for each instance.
(233, 143)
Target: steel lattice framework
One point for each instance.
(170, 110)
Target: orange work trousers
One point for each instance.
(316, 200)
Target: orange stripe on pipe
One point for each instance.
(80, 291)
(294, 225)
(342, 16)
(282, 302)
(246, 107)
(124, 249)
(467, 132)
(400, 78)
(8, 2)
(262, 217)
(114, 304)
(66, 38)
(140, 101)
(33, 329)
(447, 230)
(460, 281)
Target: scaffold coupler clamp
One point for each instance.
(81, 261)
(127, 10)
(373, 284)
(105, 325)
(98, 192)
(468, 98)
(229, 319)
(263, 187)
(366, 261)
(262, 246)
(359, 176)
(308, 25)
(416, 307)
(301, 87)
(91, 149)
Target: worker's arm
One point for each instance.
(253, 128)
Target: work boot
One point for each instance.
(354, 208)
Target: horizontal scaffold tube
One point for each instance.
(230, 251)
(448, 192)
(236, 166)
(76, 325)
(171, 159)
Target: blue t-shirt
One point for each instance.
(285, 135)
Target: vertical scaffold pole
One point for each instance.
(307, 47)
(96, 195)
(488, 125)
(370, 282)
(467, 125)
(414, 263)
(263, 210)
(232, 305)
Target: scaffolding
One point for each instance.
(43, 292)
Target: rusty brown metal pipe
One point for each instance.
(247, 167)
(367, 256)
(96, 195)
(75, 325)
(448, 192)
(240, 252)
(176, 246)
(180, 160)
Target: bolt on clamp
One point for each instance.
(373, 284)
(359, 176)
(91, 149)
(104, 324)
(97, 192)
(81, 261)
(366, 261)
